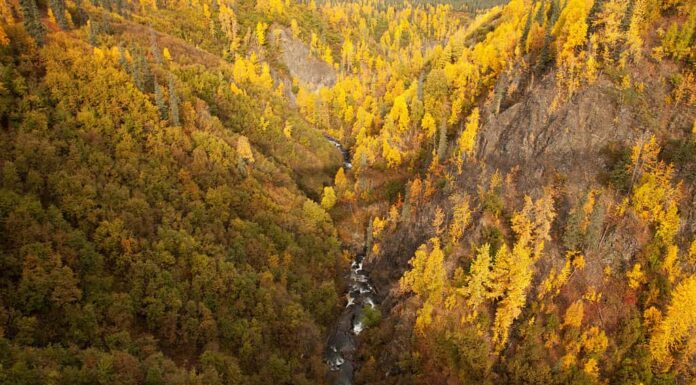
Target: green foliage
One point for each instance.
(371, 316)
(618, 161)
(129, 236)
(32, 20)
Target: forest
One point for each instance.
(348, 192)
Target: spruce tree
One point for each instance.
(442, 145)
(137, 72)
(527, 28)
(159, 100)
(32, 20)
(58, 8)
(92, 32)
(81, 16)
(154, 47)
(140, 70)
(173, 103)
(106, 23)
(122, 61)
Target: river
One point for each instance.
(342, 342)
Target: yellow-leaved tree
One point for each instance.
(478, 285)
(467, 140)
(328, 198)
(673, 343)
(572, 58)
(512, 270)
(427, 276)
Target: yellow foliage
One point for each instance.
(166, 54)
(328, 198)
(287, 130)
(571, 31)
(592, 295)
(467, 140)
(670, 264)
(428, 124)
(574, 314)
(635, 277)
(295, 28)
(579, 262)
(340, 180)
(675, 332)
(424, 317)
(427, 276)
(260, 33)
(438, 220)
(461, 217)
(378, 225)
(568, 360)
(591, 368)
(244, 149)
(479, 280)
(652, 317)
(594, 341)
(654, 198)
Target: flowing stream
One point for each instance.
(342, 341)
(346, 155)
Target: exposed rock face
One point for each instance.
(312, 71)
(528, 133)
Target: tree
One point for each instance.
(571, 35)
(173, 103)
(461, 217)
(574, 315)
(287, 130)
(512, 271)
(654, 198)
(467, 140)
(244, 149)
(32, 20)
(58, 8)
(261, 28)
(676, 331)
(479, 280)
(428, 125)
(159, 100)
(328, 198)
(442, 143)
(427, 276)
(340, 180)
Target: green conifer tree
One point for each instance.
(173, 103)
(32, 20)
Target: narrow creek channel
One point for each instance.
(342, 341)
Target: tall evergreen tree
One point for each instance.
(154, 47)
(92, 32)
(442, 145)
(159, 100)
(173, 103)
(81, 16)
(527, 28)
(140, 70)
(136, 70)
(122, 61)
(32, 20)
(58, 8)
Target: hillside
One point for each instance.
(512, 200)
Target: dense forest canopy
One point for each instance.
(519, 180)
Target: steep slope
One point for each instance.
(519, 206)
(156, 221)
